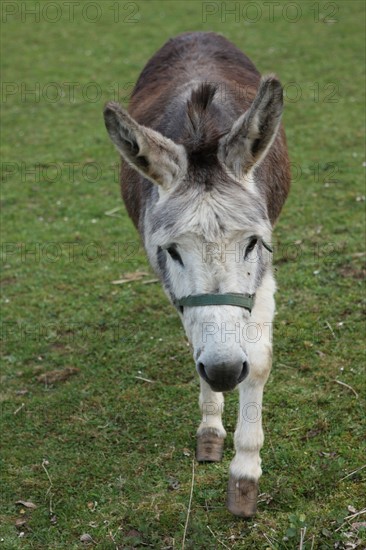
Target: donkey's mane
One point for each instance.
(201, 134)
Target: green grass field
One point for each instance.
(105, 456)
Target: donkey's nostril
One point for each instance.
(202, 372)
(244, 372)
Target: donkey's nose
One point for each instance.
(223, 376)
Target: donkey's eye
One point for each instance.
(253, 241)
(174, 254)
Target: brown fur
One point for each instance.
(218, 66)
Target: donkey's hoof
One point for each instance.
(242, 497)
(209, 447)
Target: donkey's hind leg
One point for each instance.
(211, 432)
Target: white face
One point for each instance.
(204, 189)
(218, 334)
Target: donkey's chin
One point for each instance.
(222, 387)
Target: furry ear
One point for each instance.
(156, 157)
(252, 134)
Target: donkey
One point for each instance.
(205, 178)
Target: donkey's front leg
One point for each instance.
(211, 432)
(245, 468)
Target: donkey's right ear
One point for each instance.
(156, 157)
(251, 136)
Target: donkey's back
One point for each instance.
(192, 57)
(159, 101)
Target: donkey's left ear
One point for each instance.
(252, 134)
(155, 156)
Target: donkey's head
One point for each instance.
(207, 228)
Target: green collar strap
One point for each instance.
(231, 299)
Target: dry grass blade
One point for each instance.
(348, 518)
(268, 540)
(59, 375)
(19, 408)
(354, 472)
(150, 281)
(331, 330)
(347, 386)
(218, 540)
(302, 537)
(130, 277)
(189, 508)
(144, 379)
(44, 464)
(357, 514)
(112, 212)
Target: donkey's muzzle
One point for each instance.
(223, 376)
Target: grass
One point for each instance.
(102, 452)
